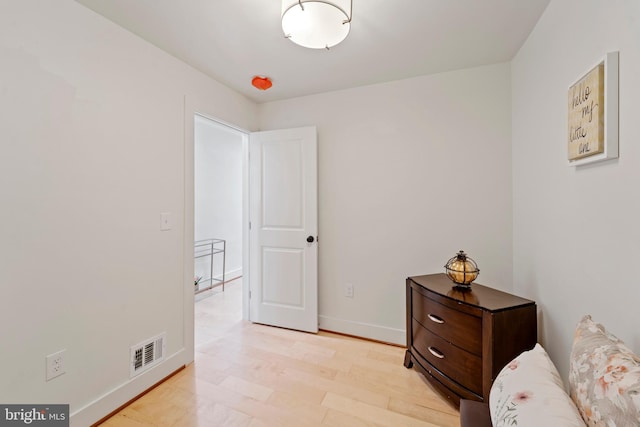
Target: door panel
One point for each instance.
(282, 277)
(283, 211)
(282, 184)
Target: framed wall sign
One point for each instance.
(593, 114)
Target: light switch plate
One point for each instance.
(165, 221)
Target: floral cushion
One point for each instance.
(529, 392)
(604, 377)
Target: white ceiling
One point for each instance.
(234, 40)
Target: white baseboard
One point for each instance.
(109, 402)
(229, 274)
(364, 330)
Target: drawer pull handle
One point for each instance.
(436, 352)
(435, 318)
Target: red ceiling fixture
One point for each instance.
(262, 83)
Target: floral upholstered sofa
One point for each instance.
(604, 387)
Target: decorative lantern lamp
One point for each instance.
(462, 269)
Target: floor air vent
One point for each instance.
(147, 354)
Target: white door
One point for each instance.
(283, 258)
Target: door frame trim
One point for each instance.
(190, 111)
(244, 134)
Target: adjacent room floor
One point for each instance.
(253, 375)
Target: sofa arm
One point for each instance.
(474, 414)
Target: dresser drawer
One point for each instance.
(451, 325)
(455, 363)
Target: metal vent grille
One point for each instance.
(147, 354)
(137, 360)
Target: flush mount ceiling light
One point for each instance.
(316, 24)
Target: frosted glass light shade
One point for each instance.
(316, 24)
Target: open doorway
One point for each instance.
(219, 152)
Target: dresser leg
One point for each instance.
(407, 360)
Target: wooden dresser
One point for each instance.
(461, 339)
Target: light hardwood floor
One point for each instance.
(253, 375)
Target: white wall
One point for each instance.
(576, 233)
(93, 150)
(410, 172)
(218, 194)
(95, 145)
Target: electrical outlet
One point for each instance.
(348, 290)
(55, 365)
